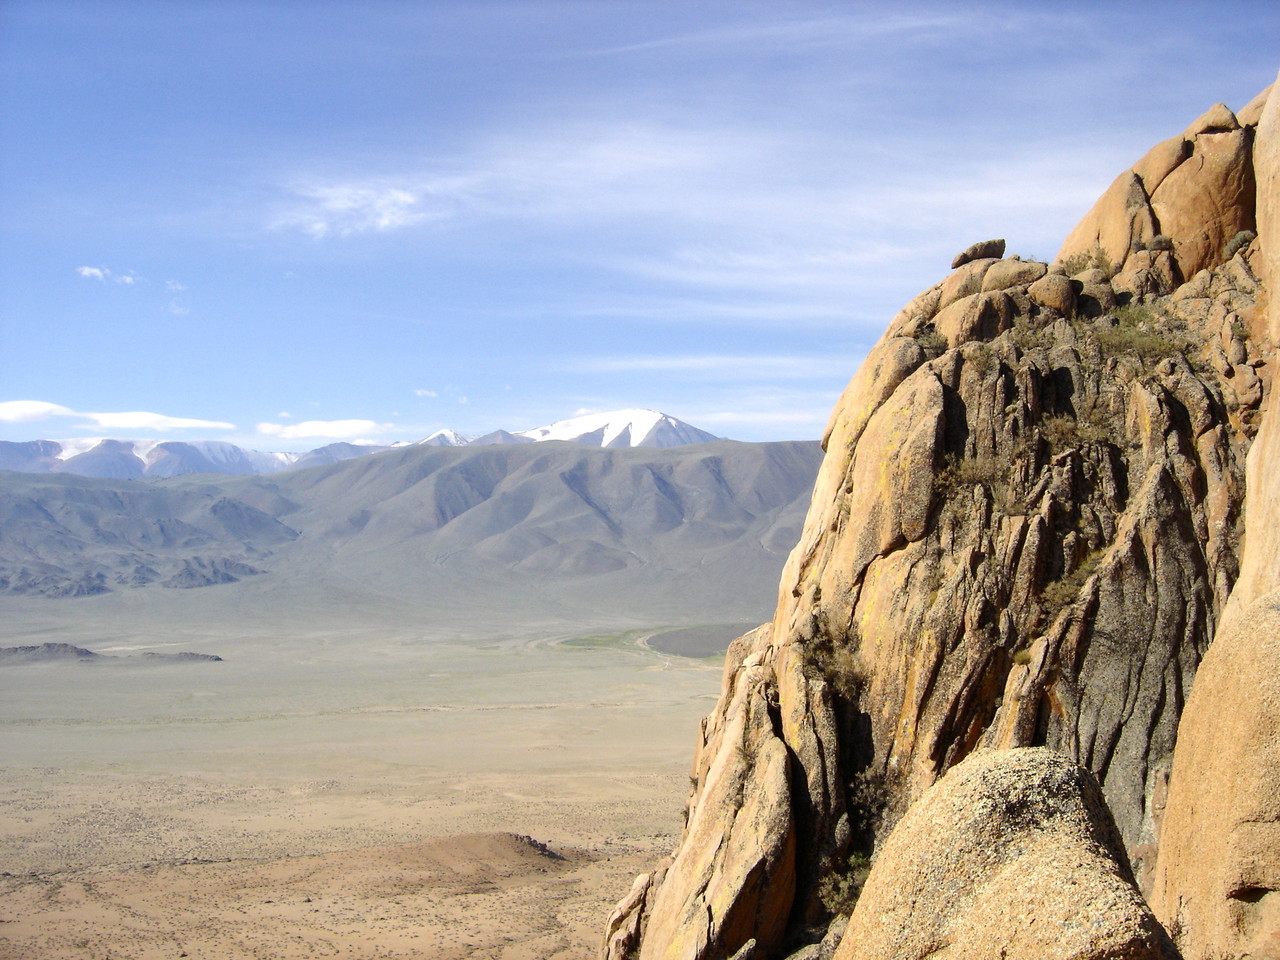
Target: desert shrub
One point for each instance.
(1022, 657)
(932, 341)
(961, 472)
(1238, 243)
(983, 359)
(1158, 242)
(1089, 260)
(838, 663)
(1062, 431)
(1058, 594)
(867, 799)
(839, 891)
(1139, 329)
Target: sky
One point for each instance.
(283, 224)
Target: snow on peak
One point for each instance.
(444, 438)
(622, 428)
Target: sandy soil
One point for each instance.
(352, 797)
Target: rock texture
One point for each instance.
(1011, 856)
(1024, 533)
(1195, 190)
(1217, 883)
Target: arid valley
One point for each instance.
(339, 793)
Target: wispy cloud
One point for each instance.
(143, 420)
(103, 274)
(801, 34)
(343, 209)
(425, 393)
(325, 429)
(28, 411)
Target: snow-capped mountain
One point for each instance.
(130, 459)
(445, 438)
(127, 459)
(622, 428)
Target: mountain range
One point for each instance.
(129, 459)
(549, 529)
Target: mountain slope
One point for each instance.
(560, 523)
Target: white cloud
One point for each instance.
(425, 393)
(327, 429)
(343, 209)
(143, 420)
(128, 279)
(27, 411)
(174, 286)
(177, 308)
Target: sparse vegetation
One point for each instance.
(1060, 593)
(1158, 242)
(1063, 431)
(1137, 328)
(932, 341)
(839, 892)
(1095, 259)
(961, 472)
(839, 664)
(1022, 657)
(1238, 243)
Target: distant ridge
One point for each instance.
(121, 459)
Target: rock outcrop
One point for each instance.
(1024, 534)
(1011, 856)
(1217, 882)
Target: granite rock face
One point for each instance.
(1024, 534)
(1217, 881)
(1011, 856)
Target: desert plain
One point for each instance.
(338, 785)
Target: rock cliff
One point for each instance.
(1024, 534)
(1217, 883)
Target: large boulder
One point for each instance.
(1010, 856)
(1217, 884)
(1195, 190)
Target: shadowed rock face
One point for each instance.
(1024, 533)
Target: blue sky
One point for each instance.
(286, 223)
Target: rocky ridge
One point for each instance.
(1025, 534)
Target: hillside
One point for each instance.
(537, 529)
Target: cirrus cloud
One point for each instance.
(326, 429)
(144, 420)
(30, 411)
